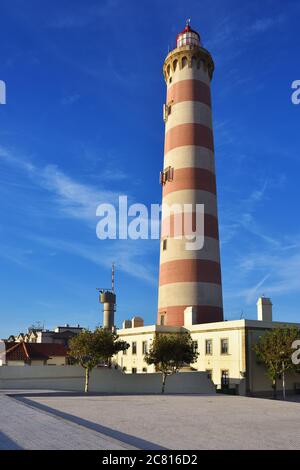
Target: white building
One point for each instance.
(226, 349)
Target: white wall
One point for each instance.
(234, 361)
(130, 360)
(102, 380)
(15, 363)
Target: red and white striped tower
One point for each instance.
(189, 278)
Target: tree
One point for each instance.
(275, 350)
(169, 353)
(89, 348)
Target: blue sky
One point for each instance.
(83, 125)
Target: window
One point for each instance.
(202, 63)
(209, 373)
(224, 346)
(134, 370)
(208, 347)
(224, 378)
(162, 320)
(133, 347)
(195, 346)
(145, 370)
(167, 174)
(145, 347)
(188, 39)
(165, 242)
(166, 112)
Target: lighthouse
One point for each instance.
(189, 278)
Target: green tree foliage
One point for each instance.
(90, 348)
(169, 353)
(274, 350)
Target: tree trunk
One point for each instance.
(87, 380)
(283, 381)
(163, 383)
(274, 387)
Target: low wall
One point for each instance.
(71, 378)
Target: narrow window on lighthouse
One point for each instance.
(162, 320)
(170, 173)
(165, 242)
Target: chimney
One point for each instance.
(264, 309)
(137, 322)
(190, 315)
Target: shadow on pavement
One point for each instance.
(118, 435)
(8, 444)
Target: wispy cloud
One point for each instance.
(70, 99)
(73, 198)
(270, 264)
(262, 25)
(84, 16)
(233, 28)
(279, 273)
(240, 213)
(79, 201)
(233, 36)
(241, 216)
(18, 256)
(252, 293)
(127, 253)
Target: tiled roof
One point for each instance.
(34, 351)
(16, 352)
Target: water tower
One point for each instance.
(107, 298)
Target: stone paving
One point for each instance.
(62, 421)
(24, 427)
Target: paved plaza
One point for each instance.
(69, 421)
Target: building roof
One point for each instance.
(205, 327)
(64, 335)
(34, 351)
(68, 327)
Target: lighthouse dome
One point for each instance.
(188, 37)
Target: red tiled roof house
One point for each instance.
(21, 354)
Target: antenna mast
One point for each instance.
(113, 277)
